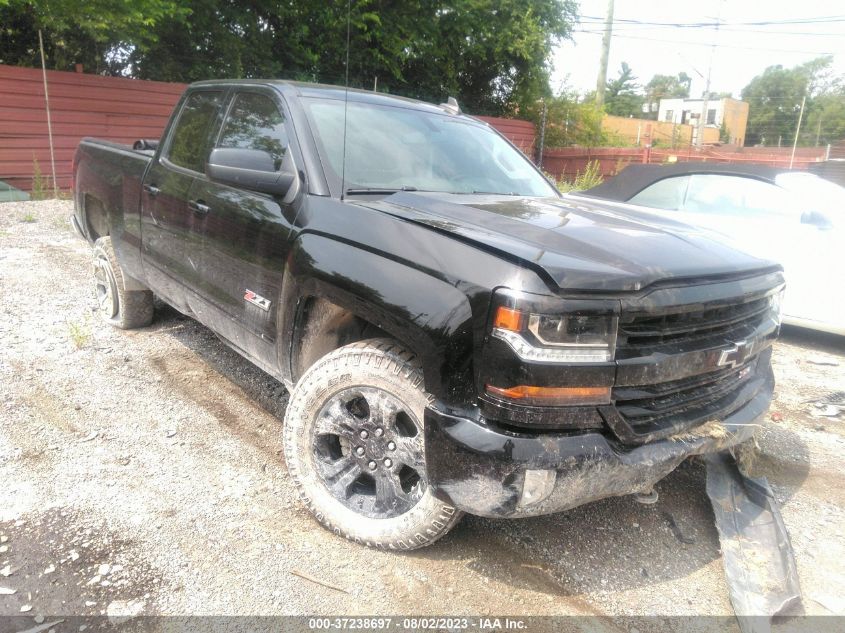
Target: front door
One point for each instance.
(172, 230)
(246, 234)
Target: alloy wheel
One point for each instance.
(105, 290)
(368, 451)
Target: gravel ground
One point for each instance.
(142, 472)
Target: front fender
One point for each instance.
(428, 315)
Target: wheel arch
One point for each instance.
(337, 293)
(95, 217)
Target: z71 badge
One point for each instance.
(258, 300)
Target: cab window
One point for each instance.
(189, 145)
(255, 122)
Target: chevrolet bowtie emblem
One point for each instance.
(735, 355)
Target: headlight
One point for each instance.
(547, 331)
(597, 332)
(776, 305)
(557, 338)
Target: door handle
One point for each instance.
(198, 206)
(152, 190)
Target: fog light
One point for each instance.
(537, 486)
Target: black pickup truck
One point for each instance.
(454, 335)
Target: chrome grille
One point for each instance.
(684, 402)
(639, 334)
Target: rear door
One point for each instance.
(247, 234)
(172, 229)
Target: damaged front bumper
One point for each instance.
(492, 472)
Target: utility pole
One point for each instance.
(702, 119)
(797, 129)
(601, 82)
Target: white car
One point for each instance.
(791, 217)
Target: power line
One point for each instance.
(711, 23)
(748, 48)
(727, 30)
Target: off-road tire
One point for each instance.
(379, 364)
(124, 309)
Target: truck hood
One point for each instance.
(578, 245)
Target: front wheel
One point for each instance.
(353, 442)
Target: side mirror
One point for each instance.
(250, 169)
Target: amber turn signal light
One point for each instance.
(551, 396)
(508, 319)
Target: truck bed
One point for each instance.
(111, 173)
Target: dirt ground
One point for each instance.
(141, 472)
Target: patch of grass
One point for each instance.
(589, 178)
(80, 335)
(39, 182)
(41, 189)
(29, 217)
(60, 222)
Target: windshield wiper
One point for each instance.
(378, 191)
(495, 193)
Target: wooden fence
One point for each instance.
(120, 110)
(520, 133)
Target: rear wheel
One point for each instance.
(125, 309)
(353, 443)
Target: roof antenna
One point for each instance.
(345, 103)
(451, 106)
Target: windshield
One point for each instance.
(395, 148)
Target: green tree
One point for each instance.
(622, 96)
(569, 121)
(91, 33)
(825, 121)
(665, 87)
(775, 96)
(489, 54)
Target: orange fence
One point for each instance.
(568, 162)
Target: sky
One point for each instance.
(743, 51)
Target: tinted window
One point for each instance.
(190, 142)
(738, 196)
(254, 122)
(664, 194)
